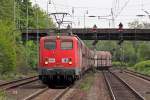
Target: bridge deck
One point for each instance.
(89, 34)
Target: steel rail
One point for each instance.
(145, 77)
(61, 94)
(30, 97)
(17, 83)
(124, 83)
(129, 87)
(109, 88)
(6, 83)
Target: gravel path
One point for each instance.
(98, 90)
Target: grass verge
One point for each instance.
(87, 82)
(15, 76)
(2, 95)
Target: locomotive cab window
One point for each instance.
(66, 45)
(50, 45)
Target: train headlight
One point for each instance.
(70, 62)
(58, 37)
(46, 62)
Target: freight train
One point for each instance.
(66, 57)
(103, 60)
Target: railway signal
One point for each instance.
(120, 27)
(69, 30)
(94, 28)
(121, 33)
(94, 31)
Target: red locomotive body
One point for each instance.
(63, 56)
(103, 59)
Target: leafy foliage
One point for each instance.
(32, 54)
(35, 17)
(7, 48)
(135, 24)
(144, 51)
(143, 67)
(3, 95)
(119, 64)
(6, 7)
(14, 54)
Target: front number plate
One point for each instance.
(52, 60)
(65, 60)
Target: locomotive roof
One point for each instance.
(61, 37)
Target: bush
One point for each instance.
(2, 95)
(119, 64)
(32, 54)
(143, 67)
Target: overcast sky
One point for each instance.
(125, 11)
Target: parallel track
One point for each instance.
(57, 97)
(120, 90)
(145, 77)
(61, 94)
(17, 83)
(36, 94)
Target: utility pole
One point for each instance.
(48, 2)
(120, 43)
(113, 18)
(84, 20)
(72, 14)
(85, 16)
(27, 17)
(14, 12)
(37, 32)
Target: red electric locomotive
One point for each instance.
(65, 57)
(103, 60)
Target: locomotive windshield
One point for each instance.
(50, 45)
(66, 45)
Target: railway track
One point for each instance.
(53, 93)
(36, 94)
(17, 83)
(59, 93)
(120, 90)
(145, 77)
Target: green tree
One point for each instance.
(144, 51)
(6, 9)
(35, 16)
(13, 53)
(32, 54)
(135, 24)
(129, 53)
(7, 47)
(141, 49)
